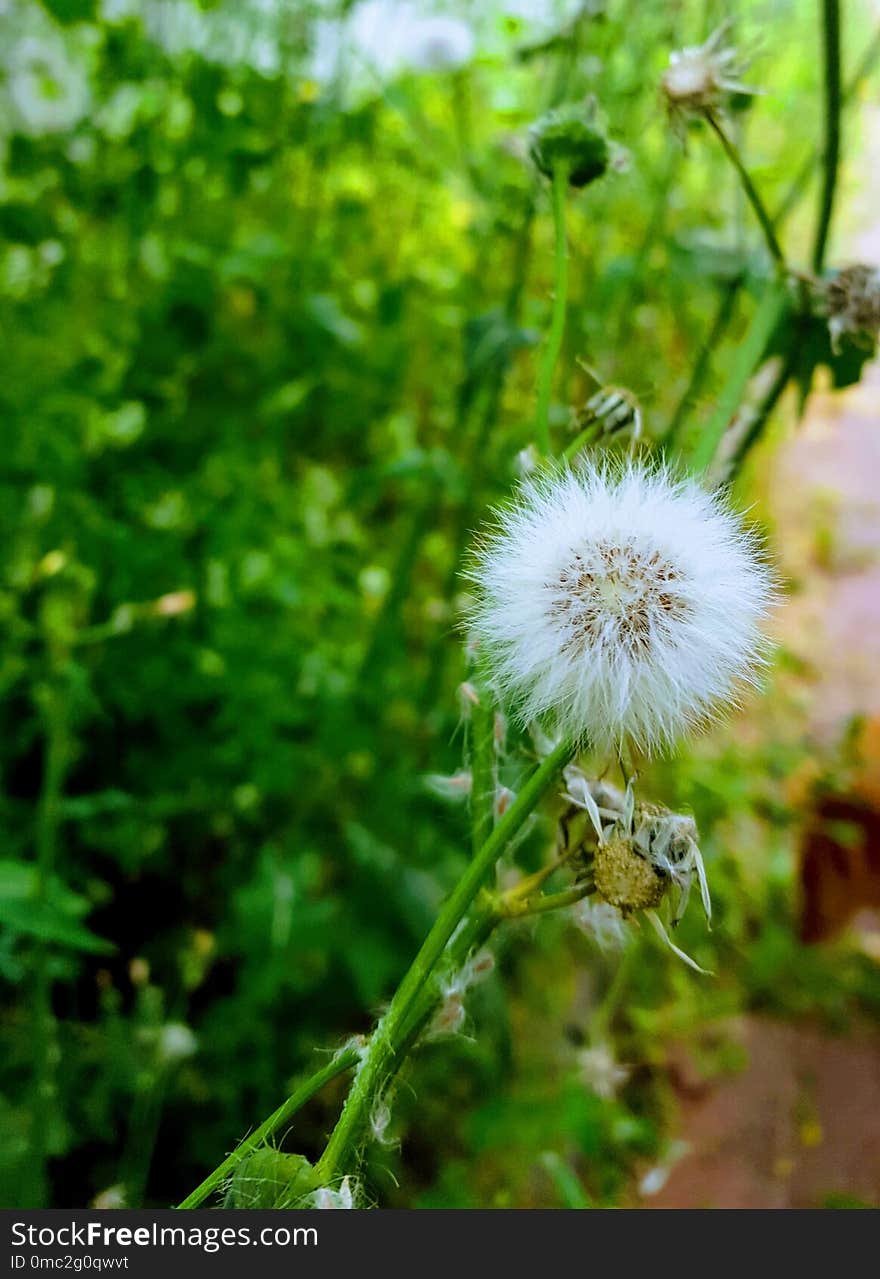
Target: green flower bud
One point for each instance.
(266, 1178)
(571, 138)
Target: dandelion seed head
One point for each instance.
(619, 604)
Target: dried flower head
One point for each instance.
(853, 303)
(642, 851)
(623, 604)
(700, 78)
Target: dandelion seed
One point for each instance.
(467, 697)
(479, 967)
(380, 1118)
(504, 797)
(326, 1197)
(449, 1018)
(619, 604)
(601, 1072)
(454, 787)
(601, 922)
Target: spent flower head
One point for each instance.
(852, 300)
(700, 78)
(618, 603)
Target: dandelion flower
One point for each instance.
(620, 604)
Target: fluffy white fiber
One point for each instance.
(619, 603)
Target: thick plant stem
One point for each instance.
(341, 1062)
(750, 190)
(383, 1044)
(557, 324)
(831, 153)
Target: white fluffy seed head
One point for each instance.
(620, 604)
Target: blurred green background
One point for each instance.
(272, 278)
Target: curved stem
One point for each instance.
(557, 324)
(370, 1078)
(831, 154)
(341, 1062)
(754, 199)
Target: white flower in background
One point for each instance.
(441, 43)
(601, 1072)
(392, 36)
(176, 1042)
(623, 604)
(48, 91)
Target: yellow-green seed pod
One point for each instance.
(624, 878)
(570, 138)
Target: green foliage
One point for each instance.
(268, 351)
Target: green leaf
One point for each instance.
(43, 920)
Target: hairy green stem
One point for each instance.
(557, 323)
(831, 153)
(343, 1061)
(370, 1079)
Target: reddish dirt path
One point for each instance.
(798, 1129)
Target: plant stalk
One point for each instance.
(557, 323)
(831, 153)
(383, 1044)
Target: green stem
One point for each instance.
(723, 316)
(601, 1018)
(370, 1079)
(764, 321)
(761, 415)
(482, 768)
(861, 73)
(341, 1062)
(587, 435)
(764, 219)
(557, 324)
(831, 153)
(551, 901)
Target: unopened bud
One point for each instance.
(571, 139)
